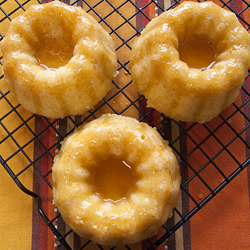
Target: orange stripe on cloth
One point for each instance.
(223, 219)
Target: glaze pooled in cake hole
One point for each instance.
(113, 179)
(52, 55)
(197, 53)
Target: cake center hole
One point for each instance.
(197, 53)
(113, 179)
(52, 55)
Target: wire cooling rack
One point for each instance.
(177, 133)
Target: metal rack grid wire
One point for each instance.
(179, 134)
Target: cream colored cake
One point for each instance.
(58, 60)
(191, 61)
(115, 180)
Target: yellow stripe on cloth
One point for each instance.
(16, 206)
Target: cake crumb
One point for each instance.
(200, 196)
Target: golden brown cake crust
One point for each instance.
(145, 210)
(71, 89)
(184, 93)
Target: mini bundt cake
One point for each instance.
(115, 180)
(58, 60)
(190, 62)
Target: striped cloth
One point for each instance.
(224, 223)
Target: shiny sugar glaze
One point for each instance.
(53, 55)
(113, 179)
(197, 53)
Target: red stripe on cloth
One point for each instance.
(48, 139)
(184, 198)
(36, 188)
(142, 19)
(139, 16)
(51, 207)
(62, 129)
(146, 12)
(44, 187)
(42, 237)
(238, 6)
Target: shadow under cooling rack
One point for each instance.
(210, 155)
